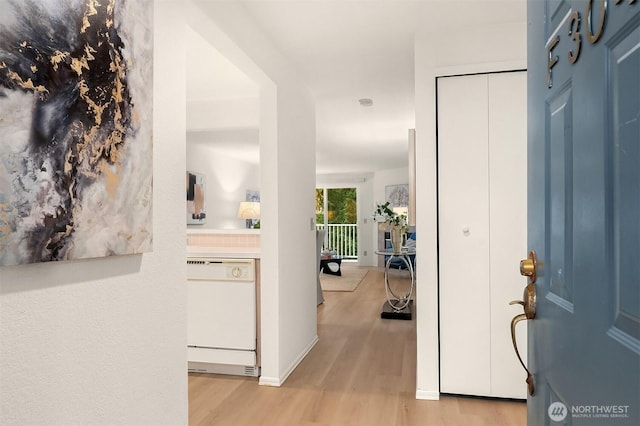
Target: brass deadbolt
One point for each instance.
(528, 267)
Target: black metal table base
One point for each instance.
(324, 266)
(389, 313)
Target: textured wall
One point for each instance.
(103, 341)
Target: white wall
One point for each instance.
(469, 50)
(227, 181)
(384, 178)
(287, 183)
(237, 113)
(103, 341)
(367, 236)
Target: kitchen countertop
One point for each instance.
(224, 252)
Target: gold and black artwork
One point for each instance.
(75, 128)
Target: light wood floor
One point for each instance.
(361, 372)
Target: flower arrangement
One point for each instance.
(395, 223)
(384, 214)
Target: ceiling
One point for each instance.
(345, 50)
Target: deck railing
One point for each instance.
(342, 238)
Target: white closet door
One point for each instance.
(463, 185)
(482, 231)
(508, 227)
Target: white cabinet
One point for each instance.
(482, 187)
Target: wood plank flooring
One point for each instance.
(361, 372)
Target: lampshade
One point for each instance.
(249, 210)
(401, 210)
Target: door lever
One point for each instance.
(528, 302)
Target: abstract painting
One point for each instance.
(75, 129)
(398, 198)
(253, 195)
(196, 213)
(397, 195)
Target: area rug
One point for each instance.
(349, 281)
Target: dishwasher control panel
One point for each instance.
(214, 269)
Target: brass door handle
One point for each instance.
(528, 302)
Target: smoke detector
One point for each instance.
(365, 102)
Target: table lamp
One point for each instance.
(249, 210)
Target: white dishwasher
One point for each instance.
(221, 316)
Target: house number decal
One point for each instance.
(594, 31)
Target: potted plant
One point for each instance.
(395, 223)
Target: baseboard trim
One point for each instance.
(277, 382)
(427, 395)
(269, 381)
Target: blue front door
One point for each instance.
(584, 210)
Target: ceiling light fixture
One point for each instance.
(365, 102)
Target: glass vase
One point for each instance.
(396, 239)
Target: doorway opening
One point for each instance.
(337, 213)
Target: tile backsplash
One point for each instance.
(224, 240)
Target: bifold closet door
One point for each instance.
(482, 231)
(508, 227)
(463, 188)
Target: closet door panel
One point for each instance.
(508, 226)
(463, 234)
